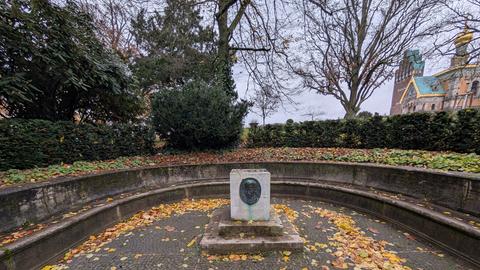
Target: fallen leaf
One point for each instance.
(191, 243)
(169, 228)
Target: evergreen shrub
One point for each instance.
(198, 115)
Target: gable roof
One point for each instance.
(428, 85)
(425, 86)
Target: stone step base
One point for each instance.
(233, 228)
(214, 243)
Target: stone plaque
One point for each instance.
(250, 194)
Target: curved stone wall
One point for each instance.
(43, 247)
(37, 202)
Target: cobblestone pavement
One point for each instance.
(154, 247)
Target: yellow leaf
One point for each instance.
(257, 258)
(392, 257)
(362, 253)
(191, 243)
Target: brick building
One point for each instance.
(452, 89)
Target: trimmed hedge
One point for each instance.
(442, 131)
(38, 143)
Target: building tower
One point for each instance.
(412, 64)
(461, 48)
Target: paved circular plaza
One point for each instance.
(335, 238)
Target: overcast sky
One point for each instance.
(378, 102)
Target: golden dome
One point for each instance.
(464, 37)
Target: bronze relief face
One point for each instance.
(250, 191)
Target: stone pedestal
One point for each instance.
(249, 225)
(250, 194)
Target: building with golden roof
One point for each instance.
(452, 89)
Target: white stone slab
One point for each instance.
(260, 210)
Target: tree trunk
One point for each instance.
(351, 111)
(223, 37)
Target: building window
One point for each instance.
(433, 107)
(475, 88)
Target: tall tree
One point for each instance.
(351, 47)
(174, 46)
(53, 67)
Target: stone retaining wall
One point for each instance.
(37, 202)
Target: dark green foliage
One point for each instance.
(373, 132)
(467, 131)
(350, 133)
(440, 131)
(408, 131)
(52, 66)
(198, 115)
(176, 47)
(364, 114)
(38, 143)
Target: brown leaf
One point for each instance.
(169, 228)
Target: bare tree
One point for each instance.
(313, 113)
(351, 46)
(112, 19)
(266, 102)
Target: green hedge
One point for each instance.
(442, 131)
(38, 143)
